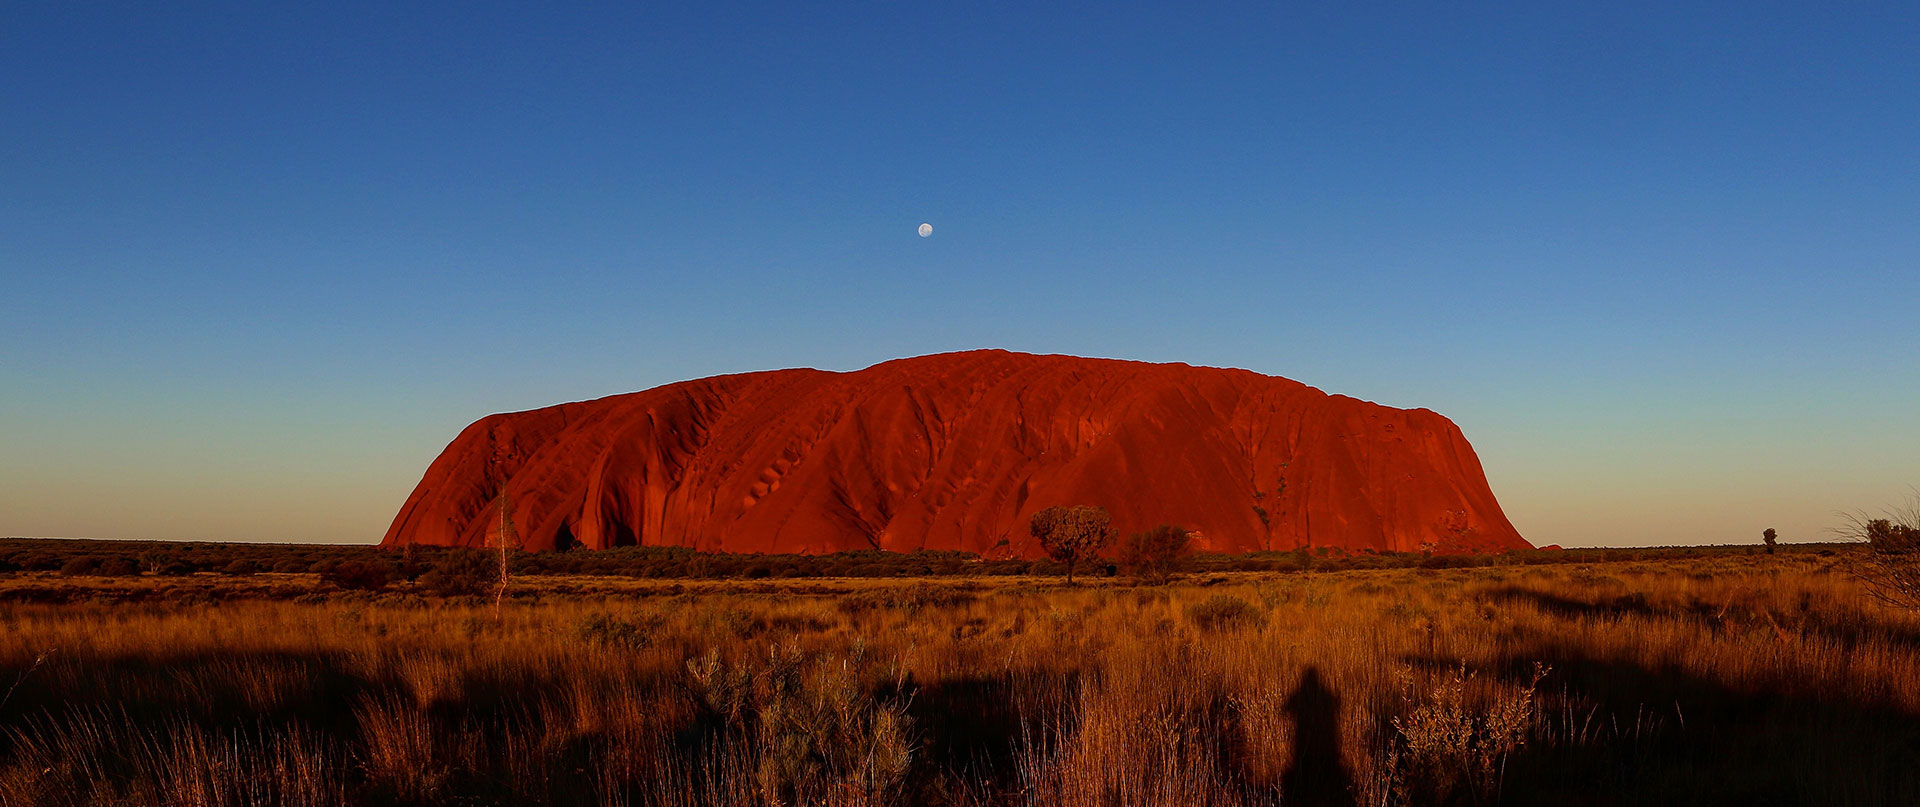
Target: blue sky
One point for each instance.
(259, 264)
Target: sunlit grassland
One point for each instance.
(1731, 680)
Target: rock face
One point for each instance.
(956, 451)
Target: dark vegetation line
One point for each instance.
(103, 558)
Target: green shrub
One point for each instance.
(83, 565)
(462, 573)
(241, 566)
(1225, 612)
(359, 575)
(1152, 555)
(119, 566)
(607, 630)
(813, 725)
(910, 599)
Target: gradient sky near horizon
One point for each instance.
(260, 263)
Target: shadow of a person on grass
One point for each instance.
(1316, 777)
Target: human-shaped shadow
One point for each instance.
(1316, 777)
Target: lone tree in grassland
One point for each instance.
(1890, 566)
(506, 540)
(1151, 555)
(1070, 534)
(1770, 537)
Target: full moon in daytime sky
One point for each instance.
(925, 229)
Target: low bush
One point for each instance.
(811, 726)
(83, 565)
(1153, 555)
(910, 599)
(462, 573)
(607, 630)
(241, 566)
(359, 575)
(118, 566)
(1225, 612)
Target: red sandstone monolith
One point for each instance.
(956, 451)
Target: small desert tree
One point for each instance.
(506, 539)
(1072, 534)
(1151, 555)
(1770, 537)
(410, 566)
(1890, 565)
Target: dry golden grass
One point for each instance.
(1733, 680)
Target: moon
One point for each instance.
(925, 229)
